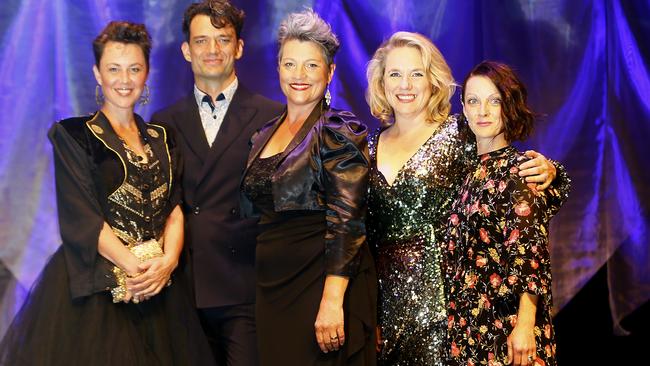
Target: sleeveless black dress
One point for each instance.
(290, 265)
(290, 274)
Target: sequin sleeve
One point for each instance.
(344, 155)
(527, 214)
(79, 211)
(466, 142)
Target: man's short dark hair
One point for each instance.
(221, 12)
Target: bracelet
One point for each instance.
(119, 292)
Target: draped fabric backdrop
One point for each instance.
(585, 64)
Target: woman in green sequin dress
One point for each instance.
(418, 161)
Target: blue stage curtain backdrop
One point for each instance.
(585, 64)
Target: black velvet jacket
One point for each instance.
(324, 167)
(90, 164)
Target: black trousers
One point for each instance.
(231, 333)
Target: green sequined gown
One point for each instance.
(406, 223)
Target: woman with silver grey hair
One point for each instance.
(306, 179)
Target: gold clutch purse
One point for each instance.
(143, 251)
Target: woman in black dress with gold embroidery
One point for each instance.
(307, 179)
(106, 297)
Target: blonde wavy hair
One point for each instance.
(437, 71)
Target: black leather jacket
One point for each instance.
(324, 167)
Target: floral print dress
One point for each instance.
(496, 250)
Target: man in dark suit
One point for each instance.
(214, 125)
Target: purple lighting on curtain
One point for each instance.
(585, 65)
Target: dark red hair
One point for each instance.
(517, 117)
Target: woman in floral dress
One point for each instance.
(499, 309)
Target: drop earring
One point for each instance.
(99, 97)
(328, 96)
(146, 94)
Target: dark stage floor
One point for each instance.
(583, 328)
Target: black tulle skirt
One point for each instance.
(52, 329)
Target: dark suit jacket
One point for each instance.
(221, 245)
